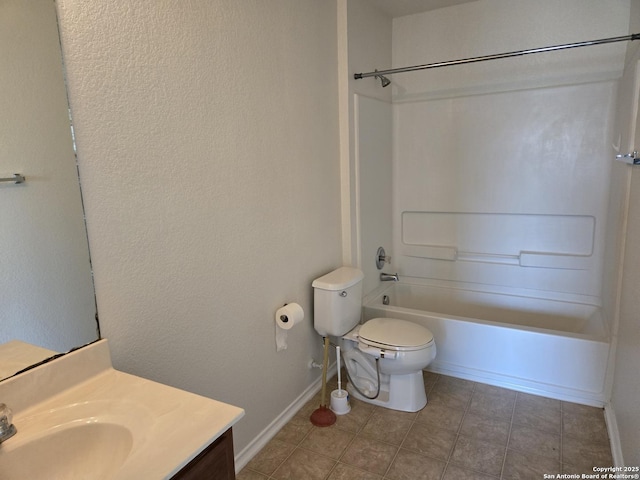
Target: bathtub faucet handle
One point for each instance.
(389, 277)
(381, 258)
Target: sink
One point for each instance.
(76, 441)
(79, 418)
(75, 451)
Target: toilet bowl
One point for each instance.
(394, 350)
(384, 357)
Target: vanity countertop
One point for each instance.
(169, 426)
(16, 355)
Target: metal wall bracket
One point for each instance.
(17, 178)
(629, 158)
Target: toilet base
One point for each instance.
(402, 392)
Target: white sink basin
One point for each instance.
(77, 441)
(88, 450)
(78, 418)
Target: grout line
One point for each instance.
(413, 422)
(506, 449)
(561, 436)
(458, 430)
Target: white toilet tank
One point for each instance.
(337, 301)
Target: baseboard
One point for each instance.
(519, 384)
(614, 435)
(258, 443)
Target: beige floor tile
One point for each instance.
(441, 416)
(310, 406)
(493, 390)
(295, 430)
(328, 441)
(395, 414)
(413, 466)
(491, 429)
(492, 405)
(391, 428)
(304, 464)
(467, 431)
(579, 409)
(573, 470)
(536, 442)
(347, 472)
(538, 403)
(459, 382)
(247, 474)
(538, 412)
(454, 472)
(430, 379)
(270, 457)
(478, 455)
(357, 417)
(586, 452)
(429, 440)
(526, 466)
(455, 395)
(581, 421)
(370, 455)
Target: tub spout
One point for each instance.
(389, 277)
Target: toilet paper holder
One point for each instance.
(284, 318)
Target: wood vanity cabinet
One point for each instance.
(214, 463)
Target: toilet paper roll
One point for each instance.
(289, 316)
(286, 318)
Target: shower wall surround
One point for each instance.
(501, 169)
(506, 189)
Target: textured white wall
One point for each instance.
(626, 382)
(207, 134)
(626, 386)
(370, 137)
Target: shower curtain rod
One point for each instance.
(379, 73)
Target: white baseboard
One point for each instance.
(614, 435)
(258, 443)
(526, 386)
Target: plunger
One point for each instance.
(322, 416)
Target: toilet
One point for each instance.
(384, 357)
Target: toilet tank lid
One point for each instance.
(339, 279)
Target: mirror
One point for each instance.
(47, 300)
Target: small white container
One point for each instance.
(340, 402)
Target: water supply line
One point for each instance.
(346, 369)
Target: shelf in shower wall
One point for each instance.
(525, 240)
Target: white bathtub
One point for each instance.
(546, 347)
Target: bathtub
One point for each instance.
(551, 347)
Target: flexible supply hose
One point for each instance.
(346, 368)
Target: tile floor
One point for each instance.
(467, 430)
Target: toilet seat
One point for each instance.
(394, 334)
